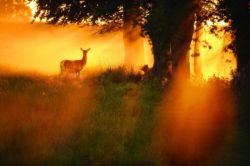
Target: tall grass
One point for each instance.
(109, 119)
(38, 113)
(120, 124)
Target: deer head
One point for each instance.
(85, 51)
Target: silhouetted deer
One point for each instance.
(75, 66)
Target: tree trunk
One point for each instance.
(179, 58)
(196, 50)
(171, 22)
(183, 50)
(242, 44)
(239, 13)
(160, 61)
(133, 42)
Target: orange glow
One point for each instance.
(40, 47)
(44, 123)
(194, 121)
(214, 61)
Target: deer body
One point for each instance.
(74, 66)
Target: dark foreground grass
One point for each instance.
(37, 114)
(236, 151)
(108, 119)
(119, 128)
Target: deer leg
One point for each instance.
(77, 74)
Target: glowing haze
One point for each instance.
(214, 60)
(40, 47)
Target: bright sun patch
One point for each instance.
(33, 7)
(212, 59)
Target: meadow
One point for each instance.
(119, 118)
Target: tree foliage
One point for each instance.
(105, 12)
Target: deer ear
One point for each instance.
(81, 49)
(88, 49)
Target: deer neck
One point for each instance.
(84, 58)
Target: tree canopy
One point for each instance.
(88, 11)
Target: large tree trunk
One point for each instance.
(243, 47)
(242, 41)
(183, 50)
(176, 27)
(133, 42)
(239, 13)
(160, 60)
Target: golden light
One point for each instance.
(213, 59)
(40, 47)
(108, 49)
(194, 121)
(33, 7)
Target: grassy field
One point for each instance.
(118, 118)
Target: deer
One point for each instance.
(74, 66)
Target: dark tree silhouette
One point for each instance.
(171, 23)
(238, 13)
